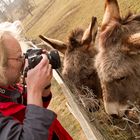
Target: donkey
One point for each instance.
(118, 60)
(78, 65)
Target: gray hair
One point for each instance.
(16, 30)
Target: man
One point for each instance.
(30, 120)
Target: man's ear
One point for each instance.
(56, 44)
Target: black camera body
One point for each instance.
(34, 57)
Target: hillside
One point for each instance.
(61, 16)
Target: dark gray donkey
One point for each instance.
(78, 66)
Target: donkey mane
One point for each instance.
(126, 18)
(75, 37)
(116, 30)
(112, 34)
(129, 17)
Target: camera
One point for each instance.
(34, 57)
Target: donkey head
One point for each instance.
(118, 60)
(80, 51)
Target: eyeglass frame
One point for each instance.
(21, 58)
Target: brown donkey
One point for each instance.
(78, 66)
(118, 60)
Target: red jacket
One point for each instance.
(17, 110)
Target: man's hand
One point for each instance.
(37, 79)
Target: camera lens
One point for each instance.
(54, 59)
(34, 57)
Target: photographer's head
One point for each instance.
(11, 60)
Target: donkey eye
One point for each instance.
(121, 79)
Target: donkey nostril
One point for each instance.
(115, 116)
(90, 110)
(126, 112)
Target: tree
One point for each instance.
(6, 10)
(27, 6)
(3, 16)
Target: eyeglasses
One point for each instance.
(21, 58)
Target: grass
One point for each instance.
(58, 104)
(65, 15)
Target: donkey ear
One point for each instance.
(134, 39)
(111, 12)
(56, 44)
(90, 33)
(133, 44)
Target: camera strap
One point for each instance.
(8, 95)
(25, 72)
(24, 83)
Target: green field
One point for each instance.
(55, 19)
